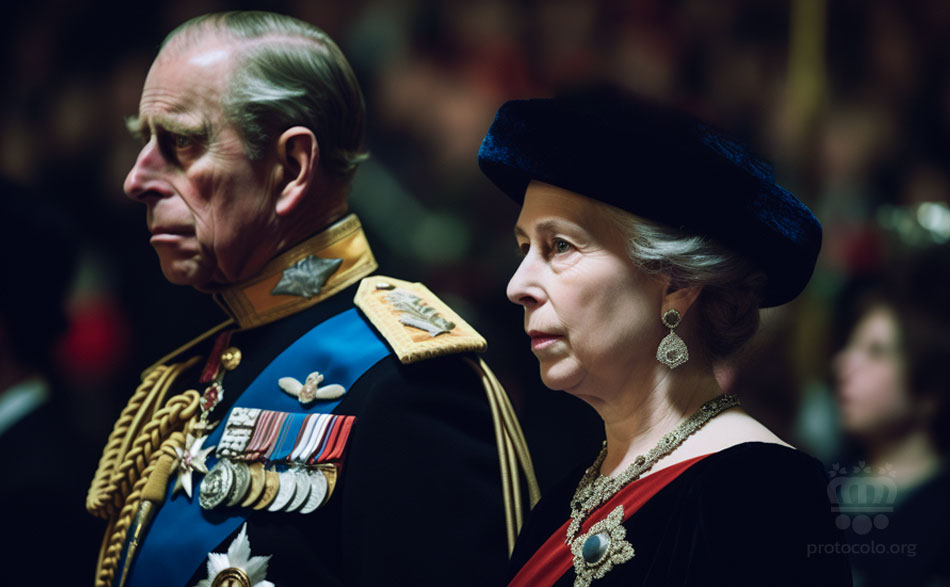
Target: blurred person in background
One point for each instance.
(227, 464)
(650, 240)
(46, 460)
(893, 384)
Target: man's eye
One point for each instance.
(180, 141)
(561, 245)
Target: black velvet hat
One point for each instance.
(661, 164)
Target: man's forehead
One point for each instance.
(183, 78)
(209, 53)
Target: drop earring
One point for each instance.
(672, 351)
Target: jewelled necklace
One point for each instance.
(595, 489)
(602, 546)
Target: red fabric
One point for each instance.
(554, 558)
(214, 359)
(337, 451)
(335, 426)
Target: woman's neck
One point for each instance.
(911, 458)
(636, 419)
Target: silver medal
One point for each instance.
(318, 491)
(242, 481)
(216, 485)
(303, 489)
(288, 486)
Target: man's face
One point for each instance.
(210, 210)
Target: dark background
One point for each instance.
(850, 99)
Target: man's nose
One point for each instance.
(145, 177)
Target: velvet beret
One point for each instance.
(658, 163)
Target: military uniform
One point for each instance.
(417, 463)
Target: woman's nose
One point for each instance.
(522, 287)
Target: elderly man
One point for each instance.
(335, 429)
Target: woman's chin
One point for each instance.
(559, 378)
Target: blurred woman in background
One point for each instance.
(893, 381)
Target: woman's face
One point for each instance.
(870, 373)
(593, 317)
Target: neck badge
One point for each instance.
(306, 277)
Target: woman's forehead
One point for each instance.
(546, 200)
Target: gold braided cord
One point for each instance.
(512, 450)
(171, 418)
(507, 481)
(98, 500)
(115, 535)
(518, 441)
(127, 450)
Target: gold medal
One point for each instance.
(271, 485)
(257, 484)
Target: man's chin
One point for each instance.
(184, 273)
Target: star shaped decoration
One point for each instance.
(237, 567)
(306, 277)
(190, 459)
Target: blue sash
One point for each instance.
(182, 534)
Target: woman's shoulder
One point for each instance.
(756, 464)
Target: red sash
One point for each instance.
(554, 558)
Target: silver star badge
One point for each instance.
(306, 277)
(191, 459)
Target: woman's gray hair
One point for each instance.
(732, 286)
(289, 73)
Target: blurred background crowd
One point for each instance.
(849, 98)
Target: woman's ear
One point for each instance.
(298, 155)
(681, 299)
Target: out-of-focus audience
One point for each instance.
(45, 455)
(893, 390)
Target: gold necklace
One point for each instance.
(603, 545)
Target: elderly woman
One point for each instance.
(649, 242)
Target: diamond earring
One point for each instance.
(672, 351)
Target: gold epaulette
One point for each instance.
(415, 323)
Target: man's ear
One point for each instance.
(298, 155)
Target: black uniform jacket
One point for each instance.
(418, 500)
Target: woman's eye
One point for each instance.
(561, 245)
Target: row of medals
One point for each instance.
(297, 488)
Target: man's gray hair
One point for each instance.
(732, 286)
(289, 73)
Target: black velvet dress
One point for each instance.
(753, 514)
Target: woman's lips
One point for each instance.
(541, 340)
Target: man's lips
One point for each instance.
(169, 234)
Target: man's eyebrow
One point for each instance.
(139, 128)
(134, 125)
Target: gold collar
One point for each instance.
(251, 302)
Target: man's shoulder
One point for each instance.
(413, 321)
